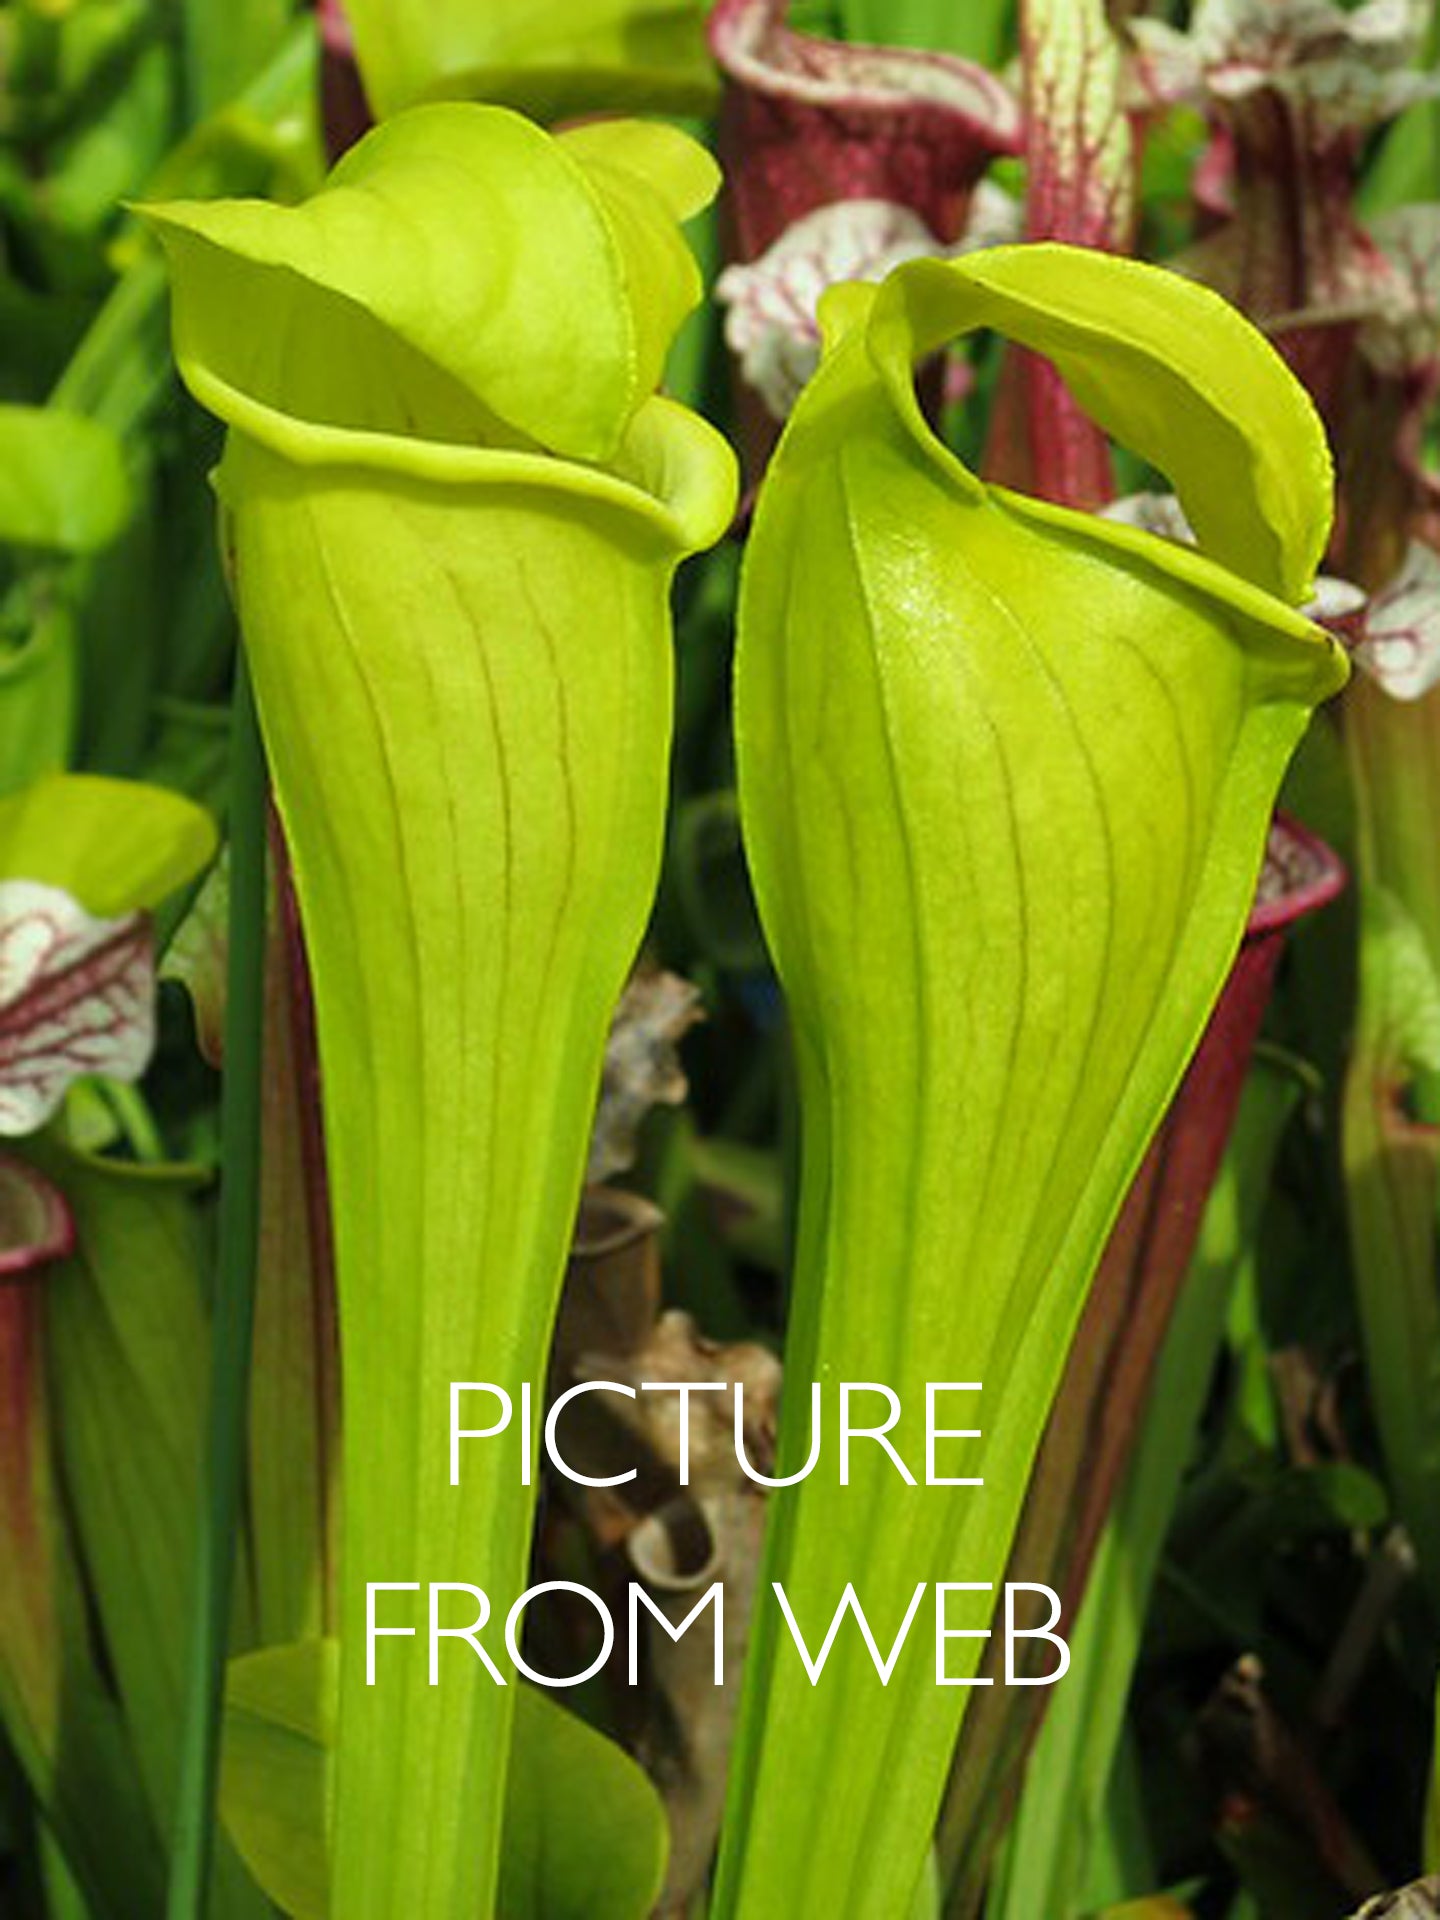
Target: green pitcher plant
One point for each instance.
(1006, 773)
(453, 501)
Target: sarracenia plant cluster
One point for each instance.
(312, 1493)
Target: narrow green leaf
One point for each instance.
(64, 1899)
(232, 1319)
(126, 1350)
(59, 1715)
(227, 46)
(105, 152)
(1403, 170)
(981, 30)
(711, 882)
(38, 697)
(1391, 1115)
(1006, 780)
(1392, 1171)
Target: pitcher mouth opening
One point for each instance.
(755, 47)
(874, 337)
(673, 470)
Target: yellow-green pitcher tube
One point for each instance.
(461, 658)
(475, 858)
(1005, 776)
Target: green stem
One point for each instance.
(135, 1120)
(233, 1313)
(120, 372)
(226, 48)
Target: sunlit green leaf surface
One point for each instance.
(584, 1830)
(63, 482)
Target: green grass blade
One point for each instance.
(226, 46)
(982, 30)
(234, 1307)
(60, 1716)
(1392, 1096)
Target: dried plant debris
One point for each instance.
(612, 1283)
(1268, 1787)
(642, 1067)
(711, 1532)
(691, 1518)
(1419, 1901)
